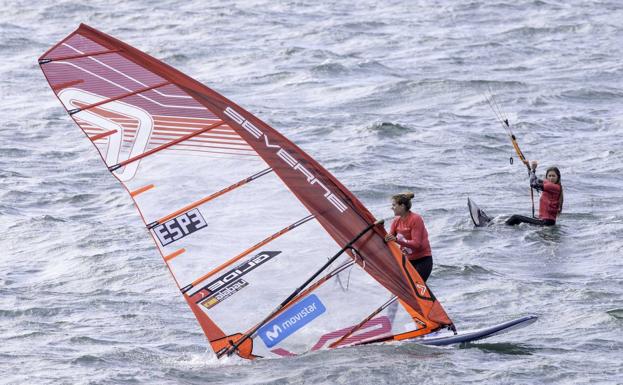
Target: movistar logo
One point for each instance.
(286, 157)
(273, 334)
(291, 320)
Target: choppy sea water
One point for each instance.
(389, 96)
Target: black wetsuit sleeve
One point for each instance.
(535, 182)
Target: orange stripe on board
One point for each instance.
(141, 190)
(416, 333)
(102, 135)
(174, 254)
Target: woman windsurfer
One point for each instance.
(408, 231)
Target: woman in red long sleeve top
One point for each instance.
(408, 231)
(550, 204)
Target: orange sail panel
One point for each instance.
(225, 184)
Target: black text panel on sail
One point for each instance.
(179, 227)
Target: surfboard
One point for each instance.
(479, 217)
(470, 336)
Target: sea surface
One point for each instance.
(387, 95)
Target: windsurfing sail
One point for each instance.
(241, 215)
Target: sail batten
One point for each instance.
(164, 146)
(176, 146)
(96, 104)
(80, 55)
(251, 249)
(210, 197)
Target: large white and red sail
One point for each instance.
(240, 214)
